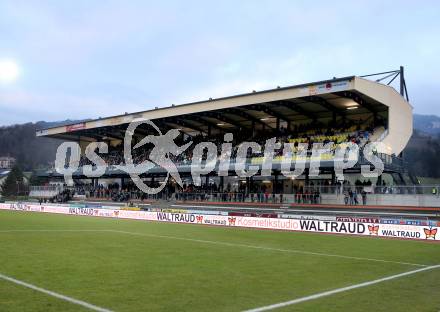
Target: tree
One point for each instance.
(30, 151)
(13, 182)
(36, 180)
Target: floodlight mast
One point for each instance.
(393, 74)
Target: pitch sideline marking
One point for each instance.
(268, 248)
(260, 309)
(229, 244)
(54, 294)
(339, 290)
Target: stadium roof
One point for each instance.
(4, 173)
(348, 97)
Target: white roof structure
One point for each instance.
(348, 97)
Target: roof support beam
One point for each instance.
(269, 111)
(100, 136)
(114, 136)
(357, 99)
(324, 103)
(91, 136)
(185, 124)
(204, 122)
(296, 108)
(248, 116)
(224, 118)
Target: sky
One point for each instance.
(89, 59)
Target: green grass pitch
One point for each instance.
(128, 265)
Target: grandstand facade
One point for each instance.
(337, 110)
(7, 162)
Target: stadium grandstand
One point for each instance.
(338, 110)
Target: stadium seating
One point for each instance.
(360, 134)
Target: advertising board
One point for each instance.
(362, 227)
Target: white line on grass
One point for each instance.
(268, 248)
(304, 252)
(54, 230)
(54, 294)
(339, 290)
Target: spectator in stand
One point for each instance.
(364, 197)
(346, 197)
(317, 197)
(351, 195)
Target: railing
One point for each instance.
(309, 198)
(51, 187)
(46, 191)
(312, 194)
(376, 189)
